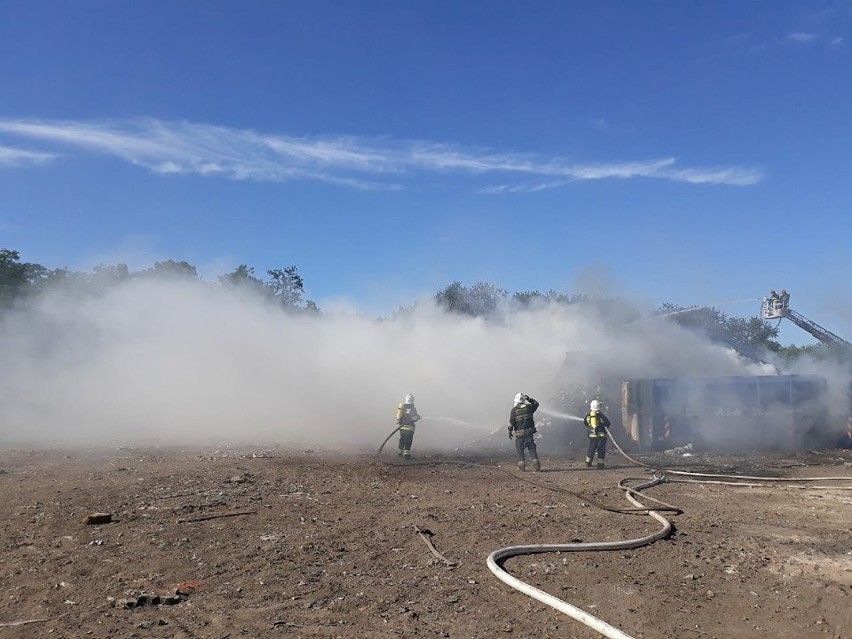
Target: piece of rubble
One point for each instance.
(151, 599)
(187, 587)
(97, 518)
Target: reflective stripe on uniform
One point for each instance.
(406, 428)
(521, 433)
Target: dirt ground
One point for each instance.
(324, 545)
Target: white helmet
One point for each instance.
(409, 399)
(595, 405)
(519, 398)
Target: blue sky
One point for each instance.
(691, 152)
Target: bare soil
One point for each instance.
(324, 545)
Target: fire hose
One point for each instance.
(496, 558)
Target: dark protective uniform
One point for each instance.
(597, 423)
(522, 428)
(406, 417)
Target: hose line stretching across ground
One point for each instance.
(498, 557)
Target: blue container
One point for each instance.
(725, 413)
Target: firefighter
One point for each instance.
(774, 302)
(784, 298)
(406, 417)
(522, 428)
(597, 423)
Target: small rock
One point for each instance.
(97, 518)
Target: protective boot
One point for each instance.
(536, 465)
(522, 465)
(600, 465)
(588, 462)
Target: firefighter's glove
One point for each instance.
(510, 434)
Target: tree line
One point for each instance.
(20, 281)
(752, 336)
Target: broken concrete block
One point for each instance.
(148, 600)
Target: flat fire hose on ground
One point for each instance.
(495, 559)
(495, 564)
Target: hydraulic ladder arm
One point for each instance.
(778, 307)
(822, 334)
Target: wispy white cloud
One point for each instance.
(173, 148)
(662, 169)
(802, 37)
(10, 156)
(736, 176)
(811, 38)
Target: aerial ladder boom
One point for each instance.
(777, 307)
(822, 334)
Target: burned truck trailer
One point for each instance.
(726, 413)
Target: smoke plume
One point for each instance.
(168, 362)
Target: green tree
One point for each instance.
(751, 336)
(173, 268)
(288, 288)
(285, 286)
(110, 273)
(480, 300)
(243, 278)
(17, 278)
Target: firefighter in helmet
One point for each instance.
(597, 423)
(522, 428)
(406, 418)
(784, 298)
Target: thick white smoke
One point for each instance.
(175, 362)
